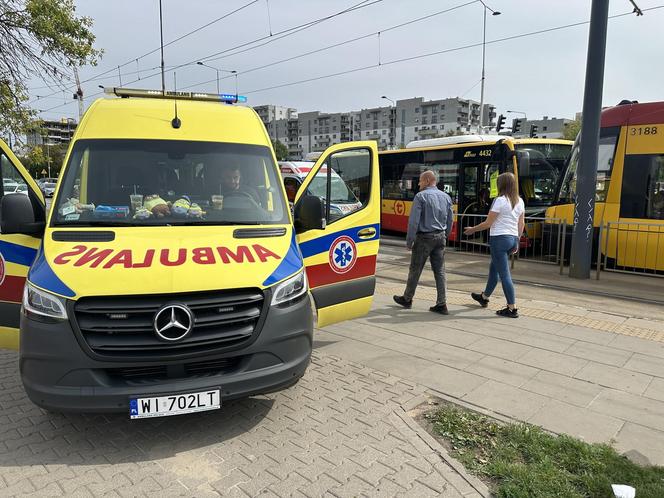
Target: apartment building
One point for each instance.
(269, 113)
(51, 132)
(546, 127)
(390, 126)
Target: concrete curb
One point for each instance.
(477, 485)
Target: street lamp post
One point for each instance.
(525, 117)
(217, 70)
(393, 120)
(493, 13)
(519, 112)
(48, 157)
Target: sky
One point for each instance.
(540, 75)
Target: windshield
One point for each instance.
(537, 183)
(606, 152)
(169, 182)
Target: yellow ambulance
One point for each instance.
(169, 275)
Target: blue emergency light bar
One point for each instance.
(228, 98)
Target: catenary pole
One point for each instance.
(584, 209)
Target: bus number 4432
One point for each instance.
(643, 130)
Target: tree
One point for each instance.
(571, 130)
(38, 157)
(38, 38)
(280, 150)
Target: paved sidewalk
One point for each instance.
(342, 431)
(597, 376)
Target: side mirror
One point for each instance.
(523, 161)
(17, 216)
(310, 214)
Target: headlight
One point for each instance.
(290, 289)
(43, 303)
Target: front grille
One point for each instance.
(122, 326)
(154, 373)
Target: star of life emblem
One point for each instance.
(343, 254)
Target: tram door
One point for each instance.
(477, 187)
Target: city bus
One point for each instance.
(629, 197)
(468, 166)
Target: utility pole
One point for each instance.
(493, 13)
(161, 34)
(586, 173)
(78, 95)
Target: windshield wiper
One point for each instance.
(94, 223)
(216, 223)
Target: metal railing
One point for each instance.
(631, 247)
(543, 241)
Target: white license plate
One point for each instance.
(176, 404)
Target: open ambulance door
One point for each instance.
(337, 221)
(17, 250)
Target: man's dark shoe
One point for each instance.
(477, 296)
(402, 301)
(440, 308)
(509, 313)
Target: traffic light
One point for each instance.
(533, 131)
(501, 123)
(516, 126)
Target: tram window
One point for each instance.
(410, 179)
(605, 158)
(448, 180)
(400, 174)
(469, 195)
(642, 193)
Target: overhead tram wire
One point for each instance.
(345, 42)
(196, 30)
(354, 39)
(276, 36)
(439, 52)
(286, 32)
(406, 59)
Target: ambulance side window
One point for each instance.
(346, 176)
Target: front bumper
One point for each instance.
(59, 376)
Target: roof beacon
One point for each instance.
(229, 98)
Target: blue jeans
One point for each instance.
(501, 247)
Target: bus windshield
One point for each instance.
(169, 182)
(538, 182)
(606, 152)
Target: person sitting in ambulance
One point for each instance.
(291, 185)
(231, 185)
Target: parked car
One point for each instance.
(9, 185)
(42, 181)
(21, 188)
(48, 189)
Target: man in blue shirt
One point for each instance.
(429, 225)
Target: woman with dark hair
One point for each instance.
(505, 223)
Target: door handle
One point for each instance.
(367, 233)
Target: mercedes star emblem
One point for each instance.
(173, 322)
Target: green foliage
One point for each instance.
(40, 38)
(524, 461)
(280, 150)
(572, 130)
(37, 159)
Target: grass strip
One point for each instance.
(521, 460)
